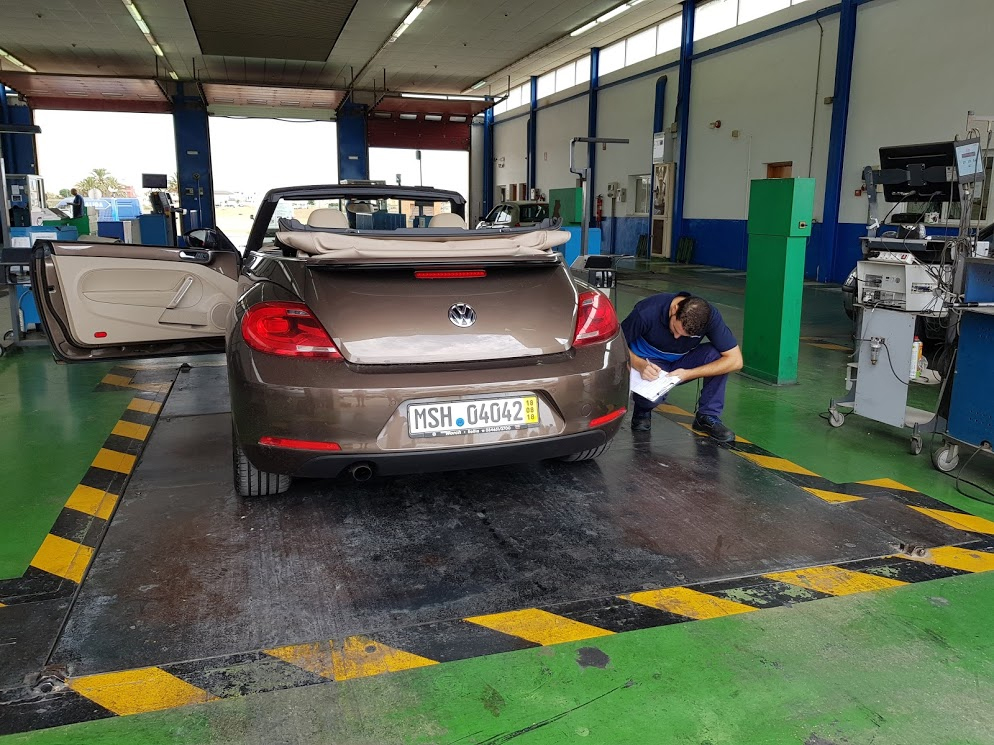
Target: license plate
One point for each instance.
(445, 418)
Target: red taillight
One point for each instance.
(286, 442)
(454, 274)
(595, 319)
(617, 414)
(288, 330)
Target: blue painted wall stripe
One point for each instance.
(595, 86)
(532, 137)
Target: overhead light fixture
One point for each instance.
(143, 27)
(11, 58)
(441, 97)
(411, 18)
(611, 14)
(173, 75)
(478, 85)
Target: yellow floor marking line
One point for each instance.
(92, 501)
(62, 558)
(690, 603)
(132, 430)
(685, 425)
(112, 460)
(959, 520)
(888, 484)
(121, 380)
(776, 464)
(671, 409)
(539, 626)
(138, 691)
(315, 658)
(361, 657)
(145, 407)
(834, 497)
(833, 580)
(960, 558)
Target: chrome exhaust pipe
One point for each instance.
(361, 471)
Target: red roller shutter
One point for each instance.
(418, 134)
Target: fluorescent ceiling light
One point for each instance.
(466, 98)
(411, 18)
(143, 27)
(477, 86)
(158, 50)
(173, 75)
(614, 13)
(584, 29)
(11, 58)
(441, 97)
(432, 96)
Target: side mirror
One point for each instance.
(202, 238)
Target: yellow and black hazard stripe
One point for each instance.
(64, 555)
(828, 491)
(147, 689)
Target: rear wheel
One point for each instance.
(586, 454)
(249, 480)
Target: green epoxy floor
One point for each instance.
(52, 423)
(911, 665)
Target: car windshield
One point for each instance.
(361, 214)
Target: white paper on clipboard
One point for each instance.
(652, 389)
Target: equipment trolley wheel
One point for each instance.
(946, 458)
(836, 418)
(916, 445)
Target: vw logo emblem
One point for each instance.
(462, 315)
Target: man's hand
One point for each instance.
(650, 371)
(681, 374)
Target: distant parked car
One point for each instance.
(515, 215)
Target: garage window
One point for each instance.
(612, 58)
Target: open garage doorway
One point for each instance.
(252, 156)
(443, 169)
(104, 154)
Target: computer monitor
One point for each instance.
(929, 172)
(154, 181)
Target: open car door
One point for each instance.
(108, 301)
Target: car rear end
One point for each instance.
(396, 366)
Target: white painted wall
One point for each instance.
(901, 97)
(556, 126)
(511, 144)
(771, 93)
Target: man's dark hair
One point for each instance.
(694, 314)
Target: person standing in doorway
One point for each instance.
(665, 335)
(77, 203)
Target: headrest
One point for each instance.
(447, 220)
(359, 207)
(326, 217)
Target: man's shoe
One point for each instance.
(712, 426)
(642, 422)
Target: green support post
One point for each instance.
(780, 212)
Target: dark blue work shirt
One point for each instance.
(647, 330)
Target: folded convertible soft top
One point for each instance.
(348, 246)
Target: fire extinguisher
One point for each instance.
(600, 210)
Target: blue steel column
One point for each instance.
(488, 160)
(193, 158)
(828, 253)
(19, 152)
(595, 84)
(353, 142)
(532, 136)
(683, 116)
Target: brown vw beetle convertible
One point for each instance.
(370, 333)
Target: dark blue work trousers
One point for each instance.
(712, 401)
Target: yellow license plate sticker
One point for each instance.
(531, 410)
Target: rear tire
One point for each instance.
(249, 480)
(586, 454)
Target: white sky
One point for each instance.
(248, 155)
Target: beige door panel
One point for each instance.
(123, 301)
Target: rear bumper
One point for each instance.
(454, 459)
